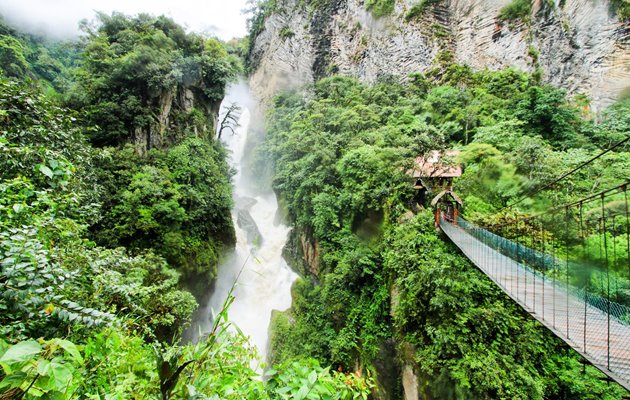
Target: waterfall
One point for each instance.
(264, 278)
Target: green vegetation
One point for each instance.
(132, 67)
(417, 10)
(102, 238)
(439, 31)
(339, 156)
(26, 56)
(380, 8)
(534, 53)
(169, 192)
(113, 364)
(115, 204)
(56, 280)
(286, 33)
(516, 10)
(622, 9)
(175, 202)
(12, 57)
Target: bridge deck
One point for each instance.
(603, 340)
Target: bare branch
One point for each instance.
(230, 119)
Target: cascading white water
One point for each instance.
(265, 279)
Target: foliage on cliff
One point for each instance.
(259, 11)
(94, 243)
(380, 8)
(27, 56)
(418, 9)
(142, 84)
(55, 281)
(622, 8)
(133, 66)
(147, 85)
(516, 10)
(339, 156)
(175, 203)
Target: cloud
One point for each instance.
(60, 18)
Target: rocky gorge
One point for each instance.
(580, 45)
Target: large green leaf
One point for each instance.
(13, 380)
(43, 367)
(301, 394)
(46, 171)
(71, 348)
(312, 377)
(60, 374)
(21, 352)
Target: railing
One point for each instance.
(540, 265)
(570, 273)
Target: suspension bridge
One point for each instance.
(569, 268)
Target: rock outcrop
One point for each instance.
(579, 45)
(302, 253)
(184, 108)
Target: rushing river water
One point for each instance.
(264, 278)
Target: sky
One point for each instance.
(59, 19)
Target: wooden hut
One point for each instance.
(433, 175)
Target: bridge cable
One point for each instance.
(627, 230)
(566, 244)
(604, 234)
(535, 191)
(586, 284)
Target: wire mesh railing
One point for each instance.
(569, 269)
(536, 263)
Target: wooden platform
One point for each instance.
(600, 338)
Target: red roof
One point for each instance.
(435, 165)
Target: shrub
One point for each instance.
(418, 9)
(516, 10)
(380, 8)
(286, 33)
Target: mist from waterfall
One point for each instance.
(261, 277)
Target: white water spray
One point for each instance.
(265, 281)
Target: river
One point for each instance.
(264, 278)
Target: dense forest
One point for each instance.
(115, 213)
(339, 162)
(115, 200)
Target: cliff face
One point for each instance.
(183, 109)
(579, 45)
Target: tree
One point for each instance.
(143, 77)
(230, 120)
(545, 111)
(12, 61)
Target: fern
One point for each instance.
(33, 287)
